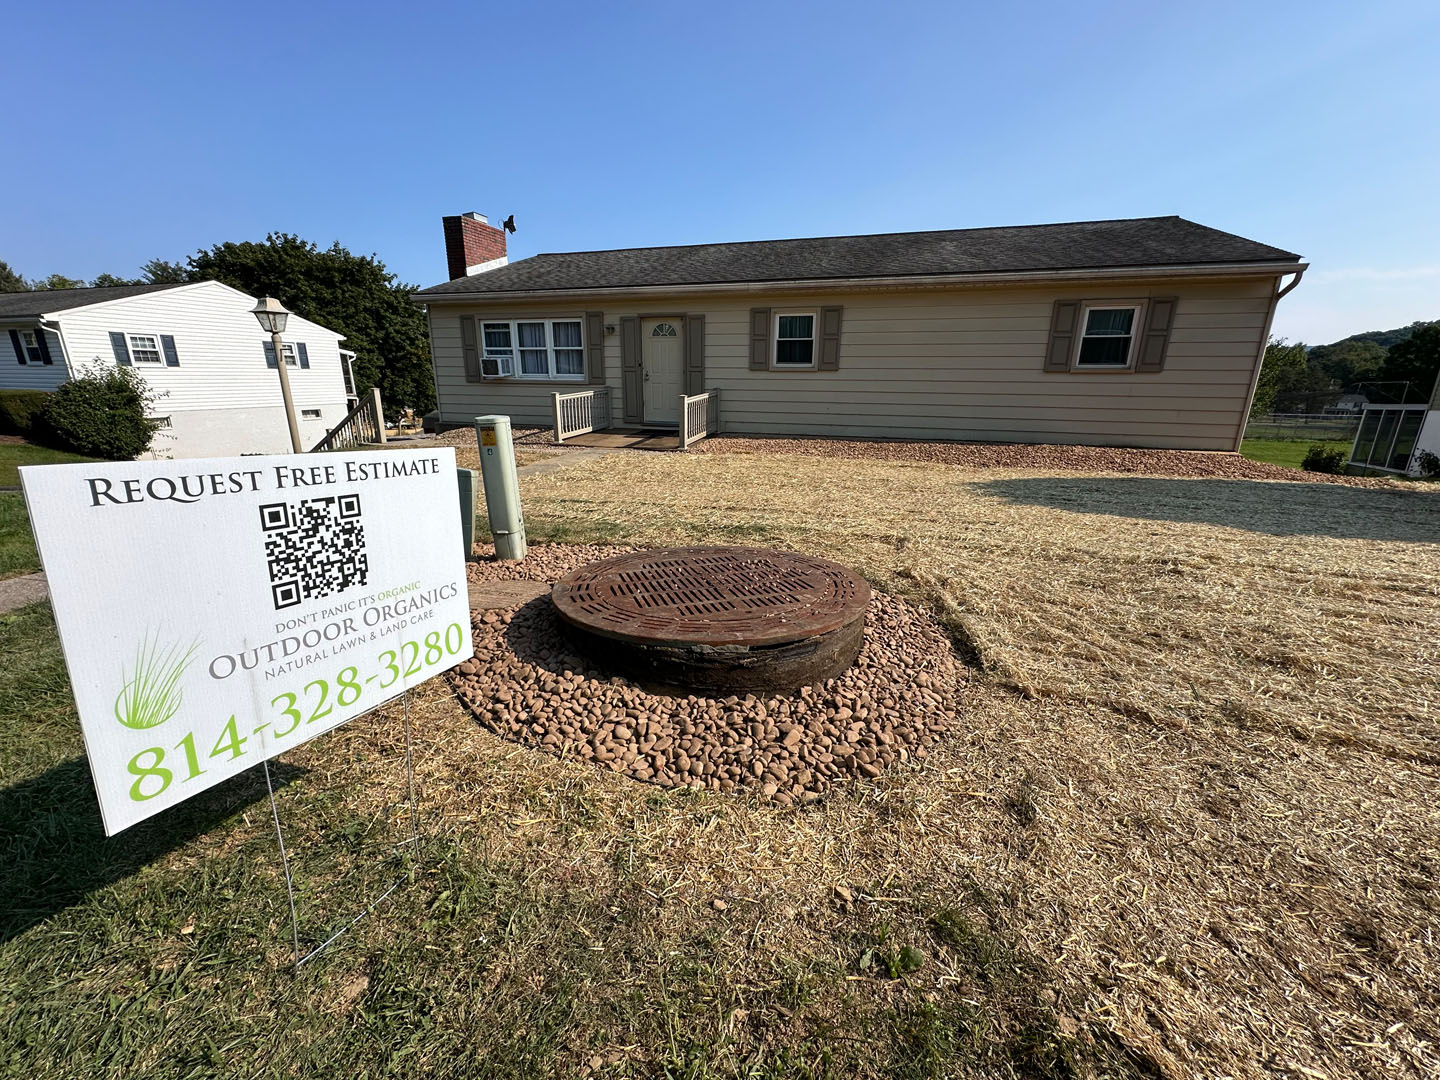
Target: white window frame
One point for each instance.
(290, 354)
(159, 350)
(814, 363)
(1137, 326)
(311, 414)
(512, 358)
(34, 354)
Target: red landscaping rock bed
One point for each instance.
(1184, 463)
(527, 683)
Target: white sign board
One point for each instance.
(217, 612)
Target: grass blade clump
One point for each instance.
(151, 694)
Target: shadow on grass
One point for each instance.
(54, 851)
(1278, 509)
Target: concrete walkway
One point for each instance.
(16, 592)
(563, 459)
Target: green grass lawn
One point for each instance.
(13, 455)
(17, 545)
(1287, 452)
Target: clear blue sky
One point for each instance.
(142, 130)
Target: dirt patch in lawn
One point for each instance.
(1089, 459)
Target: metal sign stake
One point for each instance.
(301, 959)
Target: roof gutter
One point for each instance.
(922, 281)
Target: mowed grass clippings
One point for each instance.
(1224, 715)
(1097, 875)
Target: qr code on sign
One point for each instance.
(315, 547)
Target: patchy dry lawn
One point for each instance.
(1188, 827)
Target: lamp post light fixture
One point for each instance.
(272, 317)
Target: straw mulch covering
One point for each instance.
(1202, 773)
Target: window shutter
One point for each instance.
(694, 354)
(122, 350)
(470, 348)
(595, 348)
(830, 338)
(19, 347)
(1063, 318)
(1158, 319)
(167, 346)
(303, 353)
(45, 357)
(759, 339)
(269, 354)
(630, 368)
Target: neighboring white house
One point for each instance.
(197, 345)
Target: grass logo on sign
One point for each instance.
(281, 597)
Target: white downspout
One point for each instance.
(1260, 355)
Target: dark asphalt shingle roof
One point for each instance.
(27, 305)
(1080, 245)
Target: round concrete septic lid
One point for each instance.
(718, 596)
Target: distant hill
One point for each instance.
(1383, 338)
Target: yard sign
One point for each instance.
(217, 612)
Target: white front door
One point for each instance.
(662, 360)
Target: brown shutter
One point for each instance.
(630, 368)
(1062, 335)
(595, 347)
(469, 348)
(1158, 319)
(830, 338)
(760, 339)
(694, 354)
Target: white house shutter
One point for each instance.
(120, 348)
(167, 346)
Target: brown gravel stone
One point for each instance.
(527, 683)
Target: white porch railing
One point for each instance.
(365, 423)
(581, 412)
(699, 417)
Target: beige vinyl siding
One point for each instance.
(961, 364)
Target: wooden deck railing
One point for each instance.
(581, 412)
(365, 423)
(699, 417)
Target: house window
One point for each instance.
(310, 414)
(30, 342)
(145, 349)
(1107, 338)
(795, 340)
(542, 348)
(163, 422)
(288, 351)
(499, 355)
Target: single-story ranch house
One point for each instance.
(1146, 332)
(198, 346)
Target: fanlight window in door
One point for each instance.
(663, 329)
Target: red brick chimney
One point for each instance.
(472, 244)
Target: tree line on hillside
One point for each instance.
(1385, 366)
(353, 295)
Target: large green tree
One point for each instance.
(351, 294)
(1416, 360)
(58, 281)
(10, 281)
(1284, 371)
